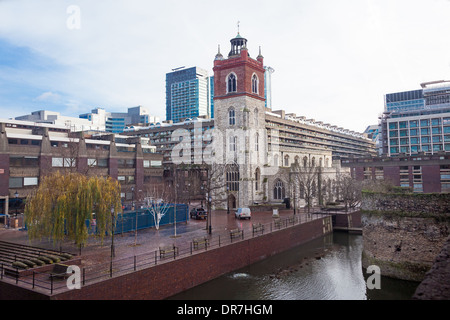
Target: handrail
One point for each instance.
(91, 274)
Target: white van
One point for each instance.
(243, 213)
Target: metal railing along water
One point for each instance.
(39, 280)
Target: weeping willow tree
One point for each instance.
(62, 204)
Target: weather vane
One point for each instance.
(238, 25)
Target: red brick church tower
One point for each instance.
(239, 118)
(247, 74)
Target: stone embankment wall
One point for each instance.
(403, 233)
(436, 285)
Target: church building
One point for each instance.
(257, 168)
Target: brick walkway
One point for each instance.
(149, 240)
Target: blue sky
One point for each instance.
(333, 60)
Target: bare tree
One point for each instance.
(158, 202)
(305, 177)
(349, 190)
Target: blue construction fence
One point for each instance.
(126, 221)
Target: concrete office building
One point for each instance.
(417, 121)
(116, 122)
(29, 151)
(73, 123)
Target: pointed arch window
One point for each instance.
(278, 190)
(286, 160)
(231, 83)
(255, 83)
(231, 117)
(232, 177)
(257, 178)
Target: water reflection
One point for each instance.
(324, 269)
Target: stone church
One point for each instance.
(256, 169)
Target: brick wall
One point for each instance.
(168, 279)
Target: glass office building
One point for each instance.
(187, 94)
(417, 121)
(404, 101)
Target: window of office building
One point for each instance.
(417, 179)
(424, 123)
(26, 161)
(404, 176)
(445, 178)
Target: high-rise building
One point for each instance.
(417, 121)
(268, 86)
(187, 94)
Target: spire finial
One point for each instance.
(238, 25)
(218, 49)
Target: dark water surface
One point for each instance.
(328, 268)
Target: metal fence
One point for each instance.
(143, 218)
(90, 274)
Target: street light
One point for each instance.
(112, 232)
(228, 200)
(16, 194)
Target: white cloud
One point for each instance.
(49, 97)
(334, 60)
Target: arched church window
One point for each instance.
(257, 178)
(286, 161)
(231, 83)
(278, 190)
(231, 117)
(255, 84)
(232, 177)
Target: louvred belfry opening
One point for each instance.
(235, 76)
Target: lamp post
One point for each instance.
(136, 226)
(208, 217)
(112, 232)
(294, 198)
(228, 200)
(16, 194)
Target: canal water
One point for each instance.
(328, 268)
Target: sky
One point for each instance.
(334, 60)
